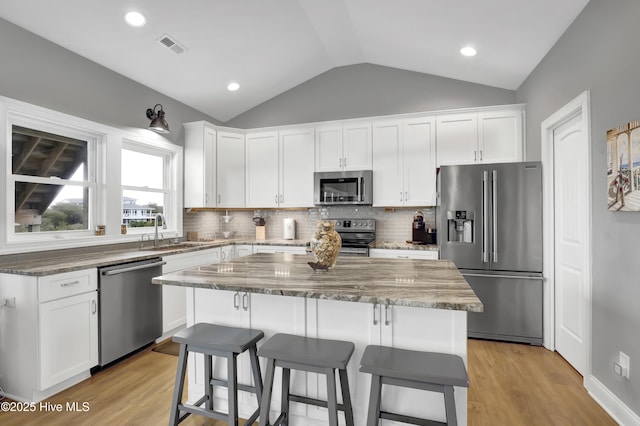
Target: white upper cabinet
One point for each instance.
(500, 136)
(230, 173)
(492, 136)
(280, 168)
(419, 162)
(296, 168)
(262, 169)
(200, 160)
(457, 139)
(346, 147)
(404, 170)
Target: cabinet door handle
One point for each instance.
(406, 195)
(218, 198)
(387, 319)
(236, 301)
(375, 309)
(400, 196)
(281, 198)
(94, 307)
(245, 301)
(340, 162)
(403, 257)
(344, 161)
(276, 198)
(224, 256)
(475, 156)
(70, 283)
(206, 198)
(480, 155)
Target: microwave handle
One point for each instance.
(361, 189)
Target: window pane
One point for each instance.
(143, 170)
(139, 208)
(36, 153)
(46, 208)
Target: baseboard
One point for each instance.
(617, 409)
(170, 333)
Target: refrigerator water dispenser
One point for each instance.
(460, 226)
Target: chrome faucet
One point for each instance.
(164, 226)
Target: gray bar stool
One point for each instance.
(221, 341)
(429, 371)
(307, 354)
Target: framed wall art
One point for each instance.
(623, 167)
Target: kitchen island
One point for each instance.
(412, 304)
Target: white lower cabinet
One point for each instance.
(174, 298)
(279, 249)
(269, 313)
(68, 337)
(403, 254)
(52, 332)
(363, 324)
(243, 250)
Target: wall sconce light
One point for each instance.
(158, 123)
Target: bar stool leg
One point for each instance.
(179, 385)
(346, 397)
(373, 413)
(208, 386)
(450, 406)
(232, 386)
(266, 393)
(332, 402)
(284, 400)
(255, 370)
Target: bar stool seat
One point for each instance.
(307, 354)
(436, 372)
(220, 341)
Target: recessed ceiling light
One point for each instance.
(468, 51)
(135, 19)
(232, 87)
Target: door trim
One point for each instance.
(579, 106)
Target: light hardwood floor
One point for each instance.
(510, 384)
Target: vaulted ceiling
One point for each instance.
(270, 46)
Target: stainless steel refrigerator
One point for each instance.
(491, 228)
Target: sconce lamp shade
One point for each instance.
(158, 123)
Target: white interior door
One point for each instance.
(571, 177)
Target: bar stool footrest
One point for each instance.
(246, 388)
(313, 401)
(409, 419)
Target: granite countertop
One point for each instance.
(403, 245)
(67, 260)
(406, 282)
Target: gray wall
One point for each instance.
(599, 52)
(365, 90)
(39, 72)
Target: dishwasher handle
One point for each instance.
(133, 268)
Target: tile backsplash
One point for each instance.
(392, 226)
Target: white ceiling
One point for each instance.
(270, 46)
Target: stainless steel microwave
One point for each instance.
(343, 188)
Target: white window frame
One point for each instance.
(172, 183)
(60, 124)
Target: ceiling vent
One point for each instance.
(171, 43)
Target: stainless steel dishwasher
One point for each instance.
(130, 308)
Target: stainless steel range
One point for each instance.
(356, 236)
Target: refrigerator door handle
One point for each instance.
(494, 216)
(485, 216)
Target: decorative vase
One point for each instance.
(325, 244)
